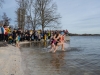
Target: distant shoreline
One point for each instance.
(71, 34)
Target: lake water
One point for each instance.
(82, 57)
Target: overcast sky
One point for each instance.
(78, 16)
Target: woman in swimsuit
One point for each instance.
(57, 41)
(62, 40)
(52, 42)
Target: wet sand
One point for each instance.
(10, 61)
(3, 44)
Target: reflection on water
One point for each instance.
(79, 58)
(58, 60)
(36, 44)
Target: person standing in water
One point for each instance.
(59, 41)
(62, 40)
(52, 42)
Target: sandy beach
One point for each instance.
(10, 61)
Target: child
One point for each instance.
(17, 40)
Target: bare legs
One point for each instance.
(59, 44)
(62, 46)
(52, 47)
(17, 44)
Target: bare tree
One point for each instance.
(5, 20)
(47, 13)
(32, 16)
(21, 12)
(39, 13)
(1, 1)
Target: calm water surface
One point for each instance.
(81, 58)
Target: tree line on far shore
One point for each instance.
(72, 34)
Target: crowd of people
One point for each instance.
(14, 36)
